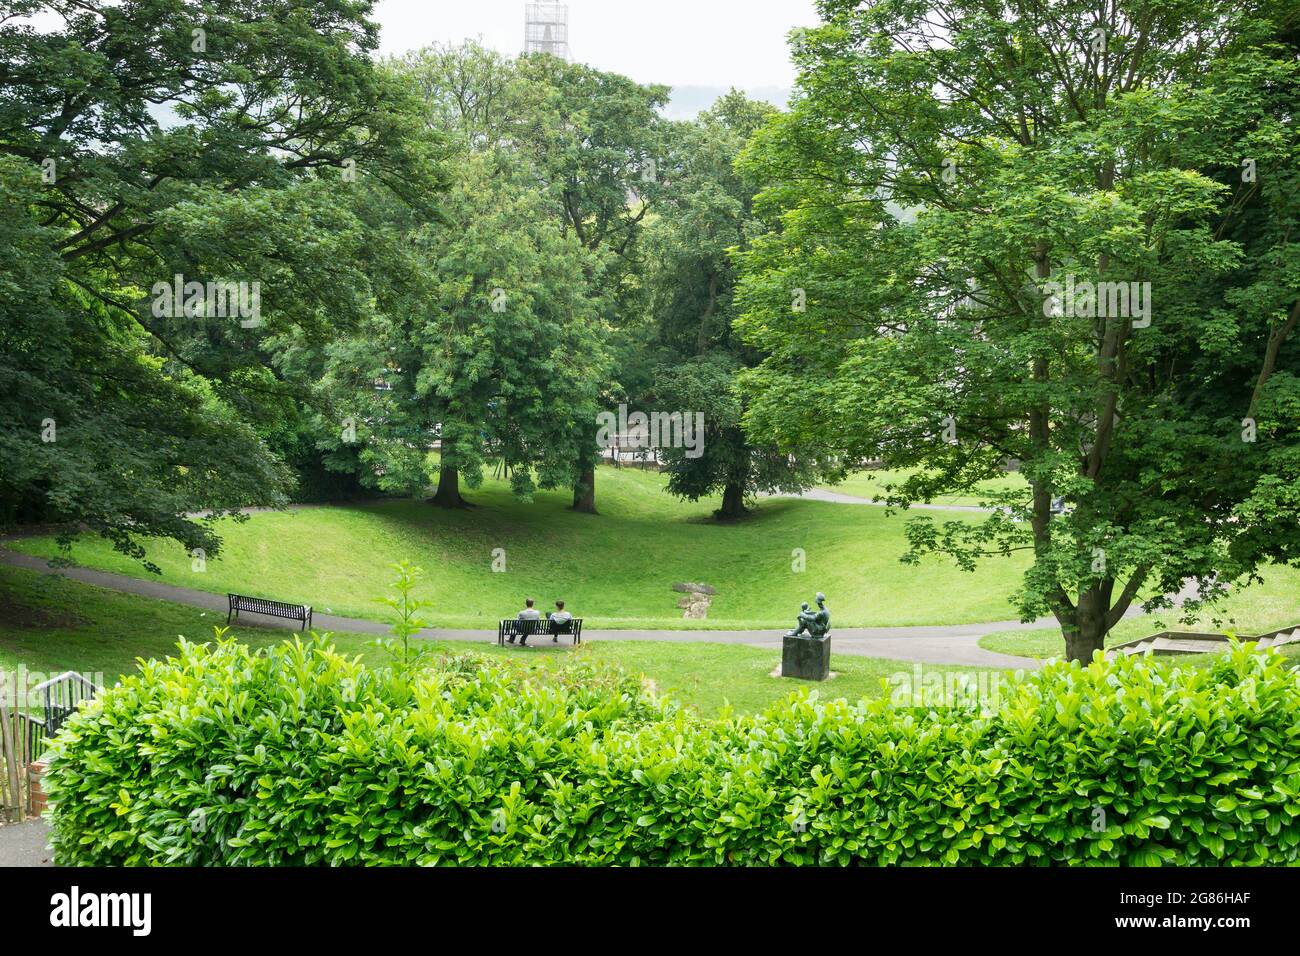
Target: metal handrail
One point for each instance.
(66, 675)
(63, 693)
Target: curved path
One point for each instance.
(840, 498)
(939, 644)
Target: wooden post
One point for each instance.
(13, 787)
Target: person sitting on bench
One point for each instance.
(561, 621)
(529, 613)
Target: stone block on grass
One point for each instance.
(808, 658)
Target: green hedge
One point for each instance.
(296, 755)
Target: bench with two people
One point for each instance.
(529, 623)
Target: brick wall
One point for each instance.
(36, 770)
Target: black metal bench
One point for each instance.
(514, 628)
(293, 612)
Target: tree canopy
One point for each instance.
(153, 139)
(704, 220)
(1052, 238)
(240, 255)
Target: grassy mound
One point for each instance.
(615, 569)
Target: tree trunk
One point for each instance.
(584, 491)
(733, 501)
(448, 493)
(1082, 642)
(1087, 632)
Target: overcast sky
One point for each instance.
(720, 43)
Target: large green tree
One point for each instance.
(94, 432)
(703, 218)
(504, 355)
(588, 144)
(495, 348)
(598, 143)
(163, 138)
(952, 185)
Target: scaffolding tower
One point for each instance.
(546, 29)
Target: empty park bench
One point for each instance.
(293, 612)
(513, 628)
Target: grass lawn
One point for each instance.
(50, 624)
(615, 570)
(1254, 610)
(871, 483)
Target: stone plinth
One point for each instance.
(808, 658)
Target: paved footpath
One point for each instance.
(840, 498)
(939, 644)
(23, 844)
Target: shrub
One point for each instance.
(296, 755)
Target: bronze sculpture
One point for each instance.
(813, 624)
